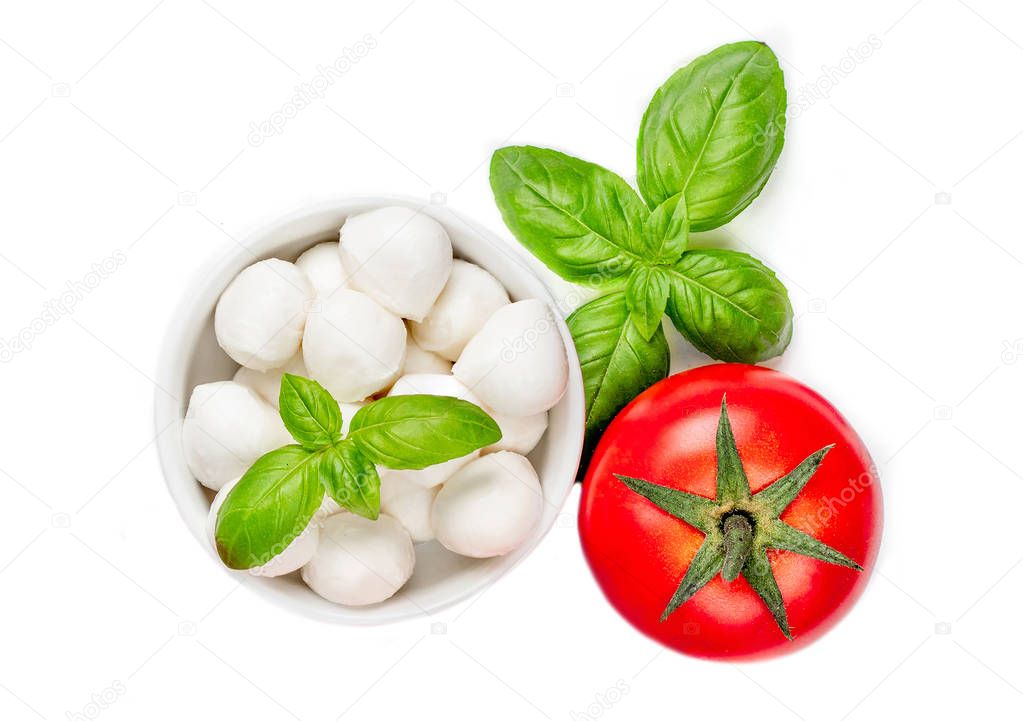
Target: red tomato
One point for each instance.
(639, 553)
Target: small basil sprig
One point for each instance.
(707, 145)
(277, 497)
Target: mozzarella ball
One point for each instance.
(267, 384)
(260, 317)
(432, 385)
(352, 346)
(358, 561)
(226, 428)
(328, 507)
(418, 360)
(408, 503)
(348, 411)
(517, 363)
(519, 434)
(469, 298)
(295, 555)
(489, 507)
(322, 264)
(398, 256)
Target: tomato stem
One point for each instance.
(738, 535)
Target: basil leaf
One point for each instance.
(617, 362)
(309, 412)
(646, 296)
(269, 507)
(713, 133)
(729, 305)
(416, 431)
(666, 231)
(582, 221)
(351, 479)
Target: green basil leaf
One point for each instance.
(617, 362)
(416, 431)
(647, 295)
(269, 507)
(351, 479)
(713, 133)
(582, 221)
(309, 412)
(666, 231)
(729, 305)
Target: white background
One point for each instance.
(892, 216)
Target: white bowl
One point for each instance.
(191, 356)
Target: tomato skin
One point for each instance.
(639, 553)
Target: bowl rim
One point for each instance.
(174, 359)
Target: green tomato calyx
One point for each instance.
(740, 526)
